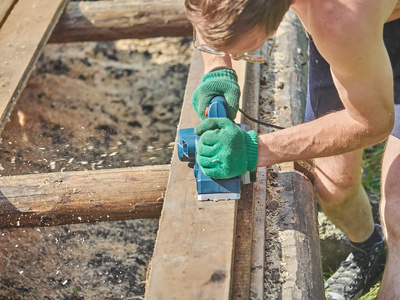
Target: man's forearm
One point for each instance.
(332, 134)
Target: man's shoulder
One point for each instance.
(343, 30)
(344, 25)
(337, 19)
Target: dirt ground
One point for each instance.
(91, 106)
(98, 105)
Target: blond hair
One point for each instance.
(221, 22)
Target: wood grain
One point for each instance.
(251, 94)
(300, 275)
(111, 20)
(5, 8)
(298, 225)
(250, 227)
(194, 249)
(22, 36)
(82, 196)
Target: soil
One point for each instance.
(104, 105)
(91, 106)
(98, 105)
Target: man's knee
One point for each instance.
(337, 192)
(338, 178)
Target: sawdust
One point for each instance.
(91, 106)
(105, 105)
(274, 271)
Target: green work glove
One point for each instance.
(221, 82)
(224, 150)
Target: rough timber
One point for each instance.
(203, 251)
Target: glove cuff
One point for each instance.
(224, 73)
(252, 150)
(220, 68)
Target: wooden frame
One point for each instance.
(213, 250)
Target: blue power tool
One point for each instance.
(208, 188)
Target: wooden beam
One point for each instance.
(194, 249)
(257, 281)
(291, 202)
(5, 8)
(111, 20)
(300, 251)
(22, 36)
(81, 197)
(251, 94)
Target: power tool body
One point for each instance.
(208, 188)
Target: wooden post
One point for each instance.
(111, 20)
(82, 196)
(291, 202)
(300, 251)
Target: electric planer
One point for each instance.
(208, 188)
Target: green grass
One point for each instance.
(372, 294)
(371, 163)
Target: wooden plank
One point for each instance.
(251, 106)
(111, 20)
(258, 242)
(243, 236)
(81, 197)
(21, 38)
(243, 245)
(249, 248)
(5, 8)
(194, 248)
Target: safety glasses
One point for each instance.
(245, 56)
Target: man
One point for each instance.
(354, 82)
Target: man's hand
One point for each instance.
(222, 82)
(224, 149)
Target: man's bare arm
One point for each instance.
(362, 74)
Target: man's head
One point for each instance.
(222, 22)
